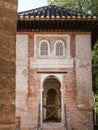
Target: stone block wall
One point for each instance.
(8, 18)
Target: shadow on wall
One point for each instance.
(96, 127)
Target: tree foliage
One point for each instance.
(95, 7)
(95, 67)
(95, 97)
(95, 76)
(85, 6)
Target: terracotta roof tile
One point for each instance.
(52, 11)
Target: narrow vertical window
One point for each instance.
(59, 48)
(44, 48)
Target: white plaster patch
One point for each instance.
(21, 73)
(83, 46)
(21, 46)
(83, 70)
(51, 63)
(21, 78)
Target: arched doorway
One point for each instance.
(51, 100)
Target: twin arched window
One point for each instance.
(59, 48)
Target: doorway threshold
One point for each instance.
(52, 125)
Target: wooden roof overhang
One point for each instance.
(64, 23)
(54, 18)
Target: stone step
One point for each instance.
(52, 126)
(52, 129)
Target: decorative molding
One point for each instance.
(51, 38)
(51, 63)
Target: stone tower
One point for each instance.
(53, 69)
(8, 19)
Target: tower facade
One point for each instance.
(53, 70)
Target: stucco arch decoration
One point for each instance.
(51, 82)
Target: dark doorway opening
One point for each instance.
(52, 100)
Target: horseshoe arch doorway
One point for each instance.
(51, 100)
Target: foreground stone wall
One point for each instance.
(8, 17)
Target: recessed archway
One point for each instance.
(51, 100)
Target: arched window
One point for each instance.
(44, 48)
(59, 48)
